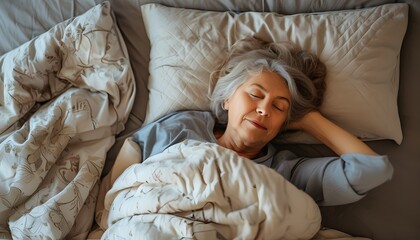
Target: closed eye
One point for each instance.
(255, 96)
(278, 108)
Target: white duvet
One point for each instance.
(204, 191)
(63, 97)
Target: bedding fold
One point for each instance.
(201, 190)
(63, 97)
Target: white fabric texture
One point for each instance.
(204, 191)
(359, 47)
(64, 96)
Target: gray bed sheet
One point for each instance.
(392, 211)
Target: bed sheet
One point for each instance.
(389, 212)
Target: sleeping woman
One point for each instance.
(260, 90)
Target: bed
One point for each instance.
(62, 158)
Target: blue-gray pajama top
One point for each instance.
(328, 180)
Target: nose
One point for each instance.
(263, 110)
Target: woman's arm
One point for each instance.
(334, 180)
(333, 136)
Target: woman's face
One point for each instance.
(258, 109)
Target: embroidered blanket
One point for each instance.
(204, 191)
(64, 96)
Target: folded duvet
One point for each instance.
(63, 97)
(204, 191)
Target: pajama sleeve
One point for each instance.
(334, 180)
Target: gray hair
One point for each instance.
(302, 71)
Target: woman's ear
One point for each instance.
(226, 104)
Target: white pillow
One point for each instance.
(360, 48)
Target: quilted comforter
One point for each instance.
(197, 190)
(63, 97)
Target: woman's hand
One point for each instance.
(300, 123)
(336, 138)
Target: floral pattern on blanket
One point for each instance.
(197, 190)
(64, 96)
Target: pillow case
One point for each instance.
(359, 47)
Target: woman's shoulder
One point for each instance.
(182, 119)
(180, 123)
(192, 113)
(187, 116)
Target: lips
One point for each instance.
(257, 124)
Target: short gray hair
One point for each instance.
(302, 71)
